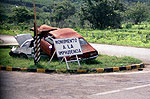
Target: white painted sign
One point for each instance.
(67, 47)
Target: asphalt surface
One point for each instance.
(123, 85)
(8, 40)
(114, 50)
(120, 85)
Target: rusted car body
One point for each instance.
(49, 33)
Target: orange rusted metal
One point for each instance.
(64, 33)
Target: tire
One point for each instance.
(13, 54)
(22, 55)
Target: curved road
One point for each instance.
(122, 85)
(7, 40)
(140, 53)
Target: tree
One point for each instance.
(3, 16)
(138, 12)
(101, 13)
(22, 14)
(61, 11)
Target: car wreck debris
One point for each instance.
(47, 36)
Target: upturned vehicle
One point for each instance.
(47, 34)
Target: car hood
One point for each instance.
(21, 38)
(87, 48)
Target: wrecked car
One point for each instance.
(47, 35)
(48, 47)
(24, 48)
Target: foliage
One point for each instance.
(61, 11)
(102, 14)
(145, 1)
(2, 16)
(21, 14)
(138, 12)
(11, 29)
(136, 35)
(128, 25)
(103, 61)
(48, 13)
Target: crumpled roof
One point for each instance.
(45, 28)
(64, 33)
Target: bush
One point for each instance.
(128, 26)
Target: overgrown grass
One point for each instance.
(12, 29)
(136, 35)
(103, 61)
(14, 32)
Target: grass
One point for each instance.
(103, 61)
(10, 29)
(136, 35)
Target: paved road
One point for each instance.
(7, 39)
(123, 85)
(140, 53)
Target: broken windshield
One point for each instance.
(82, 41)
(49, 40)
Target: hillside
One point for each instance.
(40, 3)
(45, 9)
(29, 3)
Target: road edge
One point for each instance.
(75, 71)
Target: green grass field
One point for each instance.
(103, 61)
(137, 36)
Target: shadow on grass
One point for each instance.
(89, 62)
(37, 66)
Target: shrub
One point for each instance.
(128, 26)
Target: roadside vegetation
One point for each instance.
(103, 61)
(135, 35)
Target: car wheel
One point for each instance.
(23, 56)
(12, 54)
